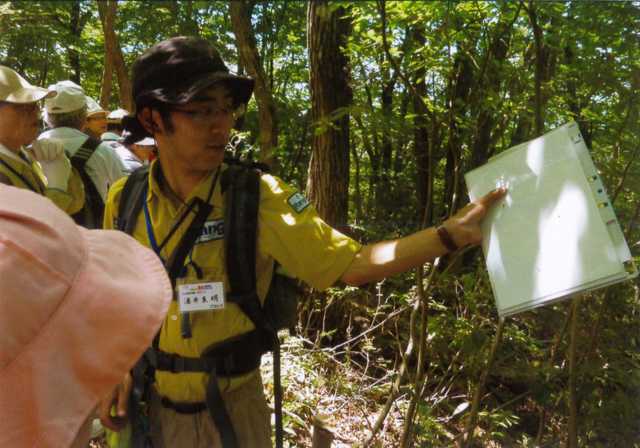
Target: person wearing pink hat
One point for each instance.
(44, 168)
(77, 308)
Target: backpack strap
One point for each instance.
(6, 180)
(143, 371)
(131, 200)
(93, 211)
(84, 153)
(242, 200)
(241, 188)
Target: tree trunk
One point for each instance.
(531, 122)
(491, 82)
(460, 83)
(182, 12)
(250, 58)
(384, 186)
(107, 81)
(572, 430)
(541, 53)
(328, 29)
(75, 29)
(107, 10)
(372, 148)
(575, 102)
(424, 166)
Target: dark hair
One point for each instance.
(114, 127)
(74, 119)
(133, 130)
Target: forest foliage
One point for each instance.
(433, 89)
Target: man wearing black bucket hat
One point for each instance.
(188, 101)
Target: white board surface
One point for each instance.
(555, 233)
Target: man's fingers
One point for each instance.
(123, 397)
(117, 401)
(492, 197)
(104, 412)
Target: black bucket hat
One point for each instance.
(175, 70)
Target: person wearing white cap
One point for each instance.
(96, 119)
(78, 308)
(114, 125)
(99, 166)
(50, 174)
(129, 159)
(144, 150)
(137, 154)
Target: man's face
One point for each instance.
(19, 124)
(201, 130)
(96, 124)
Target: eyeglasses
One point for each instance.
(208, 113)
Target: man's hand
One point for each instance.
(464, 226)
(55, 164)
(118, 398)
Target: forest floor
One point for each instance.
(318, 384)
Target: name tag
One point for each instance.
(201, 296)
(212, 230)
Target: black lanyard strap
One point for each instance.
(175, 263)
(189, 208)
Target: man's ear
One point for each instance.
(151, 120)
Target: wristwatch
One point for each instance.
(446, 239)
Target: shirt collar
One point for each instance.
(7, 152)
(201, 190)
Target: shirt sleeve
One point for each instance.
(290, 230)
(115, 166)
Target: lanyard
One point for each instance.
(147, 218)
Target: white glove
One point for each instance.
(55, 164)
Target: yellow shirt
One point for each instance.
(301, 242)
(26, 173)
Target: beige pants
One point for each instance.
(247, 408)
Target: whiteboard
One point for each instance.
(555, 233)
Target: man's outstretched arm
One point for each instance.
(385, 258)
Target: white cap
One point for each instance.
(68, 99)
(117, 115)
(15, 89)
(69, 83)
(93, 107)
(147, 141)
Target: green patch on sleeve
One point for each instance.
(298, 202)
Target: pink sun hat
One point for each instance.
(77, 309)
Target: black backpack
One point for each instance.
(91, 214)
(241, 188)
